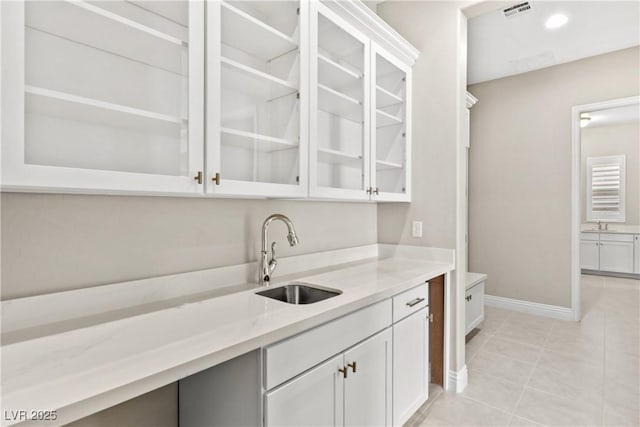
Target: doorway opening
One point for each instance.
(578, 214)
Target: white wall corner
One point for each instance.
(458, 380)
(537, 309)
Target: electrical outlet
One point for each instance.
(416, 229)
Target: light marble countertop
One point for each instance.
(472, 279)
(76, 369)
(612, 228)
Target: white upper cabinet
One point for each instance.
(340, 123)
(391, 123)
(257, 98)
(360, 142)
(103, 96)
(288, 99)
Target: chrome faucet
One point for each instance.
(606, 226)
(267, 266)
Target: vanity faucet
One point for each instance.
(267, 266)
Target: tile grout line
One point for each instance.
(535, 366)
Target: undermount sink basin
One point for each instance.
(299, 293)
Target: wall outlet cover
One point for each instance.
(416, 229)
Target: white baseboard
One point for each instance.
(534, 308)
(458, 380)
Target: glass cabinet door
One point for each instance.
(339, 132)
(390, 150)
(111, 94)
(255, 99)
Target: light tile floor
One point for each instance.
(529, 371)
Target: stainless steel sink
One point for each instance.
(299, 293)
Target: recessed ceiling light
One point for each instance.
(556, 21)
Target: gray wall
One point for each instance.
(432, 27)
(438, 30)
(520, 172)
(614, 140)
(57, 242)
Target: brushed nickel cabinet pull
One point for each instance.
(198, 177)
(415, 302)
(376, 191)
(344, 371)
(216, 178)
(352, 366)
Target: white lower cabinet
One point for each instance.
(410, 365)
(474, 306)
(616, 253)
(313, 399)
(351, 389)
(367, 368)
(589, 251)
(367, 383)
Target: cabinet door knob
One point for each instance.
(344, 371)
(198, 177)
(352, 366)
(216, 178)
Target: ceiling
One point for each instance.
(499, 46)
(614, 116)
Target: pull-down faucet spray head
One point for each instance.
(267, 266)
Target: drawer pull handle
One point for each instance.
(469, 298)
(415, 302)
(352, 366)
(344, 371)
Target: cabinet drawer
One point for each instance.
(611, 237)
(474, 306)
(590, 236)
(410, 301)
(295, 355)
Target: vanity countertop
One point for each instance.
(613, 228)
(113, 361)
(472, 279)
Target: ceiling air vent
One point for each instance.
(517, 10)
